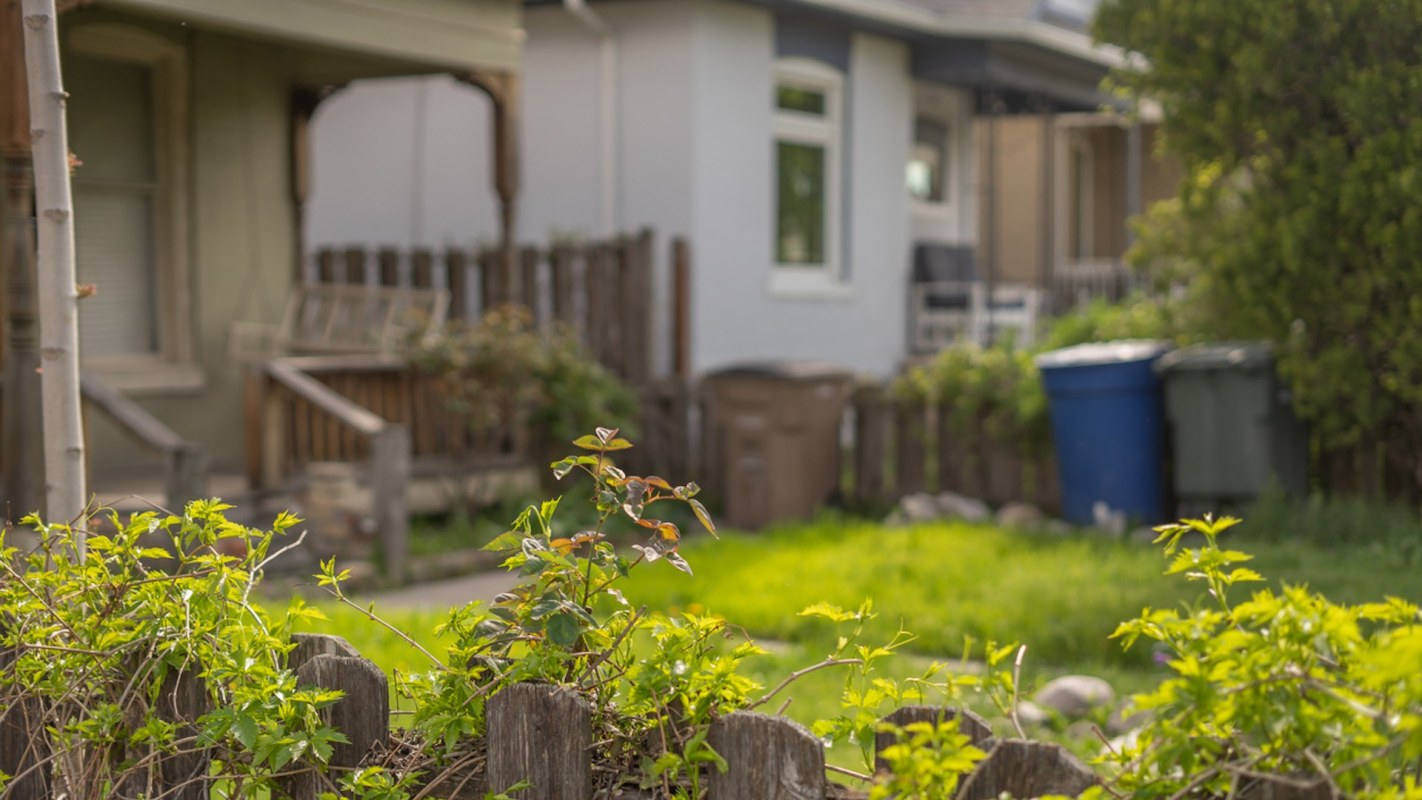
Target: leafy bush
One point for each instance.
(1282, 684)
(100, 638)
(1297, 220)
(504, 370)
(997, 390)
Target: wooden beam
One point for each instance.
(14, 100)
(503, 90)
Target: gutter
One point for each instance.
(598, 26)
(1029, 31)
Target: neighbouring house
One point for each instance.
(1066, 188)
(191, 119)
(821, 156)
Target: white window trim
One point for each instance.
(806, 280)
(174, 366)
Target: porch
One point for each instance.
(359, 438)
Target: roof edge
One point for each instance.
(1029, 31)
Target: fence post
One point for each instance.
(909, 450)
(977, 730)
(24, 747)
(186, 475)
(870, 444)
(767, 758)
(390, 476)
(456, 277)
(363, 714)
(181, 700)
(274, 409)
(541, 734)
(1027, 769)
(681, 308)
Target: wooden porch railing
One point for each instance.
(184, 462)
(293, 419)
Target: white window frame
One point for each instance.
(825, 131)
(173, 367)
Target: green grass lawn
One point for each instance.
(946, 583)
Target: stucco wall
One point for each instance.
(737, 316)
(691, 115)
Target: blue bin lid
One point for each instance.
(1093, 353)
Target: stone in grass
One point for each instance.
(956, 506)
(1019, 515)
(1031, 715)
(1075, 695)
(1122, 722)
(919, 507)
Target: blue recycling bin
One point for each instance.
(1108, 424)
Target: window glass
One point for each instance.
(928, 161)
(111, 117)
(795, 98)
(800, 203)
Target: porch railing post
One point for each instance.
(390, 467)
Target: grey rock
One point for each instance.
(1144, 535)
(1075, 695)
(895, 519)
(1109, 519)
(919, 507)
(1058, 527)
(1032, 715)
(1120, 722)
(1020, 515)
(956, 506)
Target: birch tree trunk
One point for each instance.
(65, 492)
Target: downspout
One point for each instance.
(610, 216)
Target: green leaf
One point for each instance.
(245, 729)
(508, 540)
(563, 629)
(703, 517)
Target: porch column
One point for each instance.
(1133, 174)
(22, 462)
(303, 106)
(1047, 240)
(503, 91)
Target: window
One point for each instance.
(127, 123)
(927, 173)
(807, 176)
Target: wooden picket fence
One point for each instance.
(602, 290)
(539, 733)
(903, 447)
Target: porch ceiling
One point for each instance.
(436, 35)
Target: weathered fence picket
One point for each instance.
(363, 714)
(1027, 769)
(767, 758)
(541, 734)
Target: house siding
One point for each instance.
(242, 234)
(737, 318)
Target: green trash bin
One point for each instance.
(1232, 424)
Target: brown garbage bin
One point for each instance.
(772, 439)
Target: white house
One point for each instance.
(806, 148)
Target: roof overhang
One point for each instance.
(446, 35)
(1013, 64)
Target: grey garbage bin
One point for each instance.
(1233, 429)
(772, 439)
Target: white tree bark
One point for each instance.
(58, 297)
